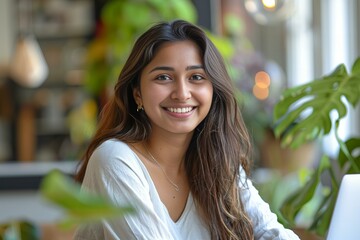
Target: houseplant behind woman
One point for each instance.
(171, 142)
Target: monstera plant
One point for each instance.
(304, 114)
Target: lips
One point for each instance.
(180, 110)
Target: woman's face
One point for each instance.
(174, 90)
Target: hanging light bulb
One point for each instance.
(269, 11)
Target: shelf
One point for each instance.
(28, 176)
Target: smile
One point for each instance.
(180, 110)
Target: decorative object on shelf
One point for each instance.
(28, 67)
(303, 115)
(267, 12)
(45, 80)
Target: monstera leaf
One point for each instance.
(353, 147)
(303, 113)
(296, 201)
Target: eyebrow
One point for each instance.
(194, 67)
(165, 68)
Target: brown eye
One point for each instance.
(162, 77)
(197, 77)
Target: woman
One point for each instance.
(171, 142)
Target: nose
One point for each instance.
(182, 90)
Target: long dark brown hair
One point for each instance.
(220, 144)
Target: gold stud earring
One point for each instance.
(139, 107)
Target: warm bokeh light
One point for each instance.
(260, 93)
(270, 11)
(262, 84)
(262, 79)
(269, 4)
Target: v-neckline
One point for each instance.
(189, 197)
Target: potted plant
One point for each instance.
(303, 115)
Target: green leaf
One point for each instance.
(288, 98)
(322, 218)
(309, 106)
(355, 70)
(184, 9)
(345, 150)
(295, 201)
(81, 206)
(224, 45)
(19, 230)
(234, 24)
(352, 95)
(28, 231)
(353, 146)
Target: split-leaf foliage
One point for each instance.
(306, 113)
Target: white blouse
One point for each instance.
(116, 172)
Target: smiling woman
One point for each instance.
(172, 143)
(174, 90)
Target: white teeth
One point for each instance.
(180, 110)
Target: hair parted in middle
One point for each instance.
(220, 145)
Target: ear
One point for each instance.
(137, 96)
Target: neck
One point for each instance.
(170, 153)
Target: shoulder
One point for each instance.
(114, 162)
(114, 154)
(112, 148)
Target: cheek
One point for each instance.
(153, 95)
(206, 94)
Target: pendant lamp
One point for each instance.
(28, 66)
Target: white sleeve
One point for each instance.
(113, 172)
(266, 225)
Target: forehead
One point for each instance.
(186, 52)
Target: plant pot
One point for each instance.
(285, 160)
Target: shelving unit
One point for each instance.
(40, 122)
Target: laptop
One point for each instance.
(345, 221)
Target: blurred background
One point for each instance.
(59, 60)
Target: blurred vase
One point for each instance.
(28, 67)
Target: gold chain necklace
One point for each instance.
(158, 164)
